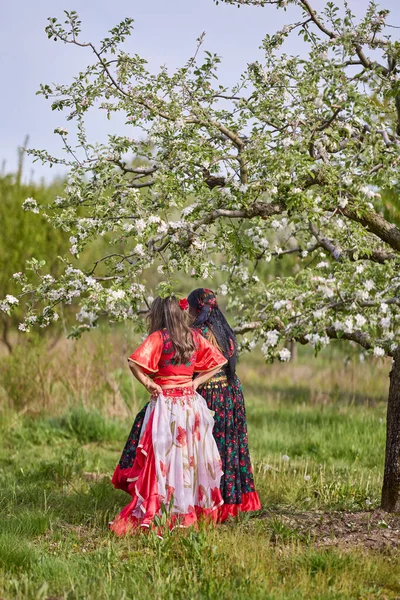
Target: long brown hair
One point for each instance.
(165, 313)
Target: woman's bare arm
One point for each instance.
(144, 379)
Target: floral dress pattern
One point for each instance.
(225, 399)
(175, 467)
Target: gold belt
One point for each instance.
(221, 380)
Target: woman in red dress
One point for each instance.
(177, 465)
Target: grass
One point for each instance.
(317, 440)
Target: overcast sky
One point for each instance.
(165, 33)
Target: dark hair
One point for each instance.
(205, 303)
(165, 313)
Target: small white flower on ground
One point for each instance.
(285, 458)
(384, 307)
(343, 202)
(378, 351)
(284, 355)
(368, 502)
(307, 477)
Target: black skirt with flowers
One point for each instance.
(225, 398)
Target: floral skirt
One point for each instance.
(176, 469)
(230, 433)
(226, 399)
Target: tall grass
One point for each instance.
(316, 431)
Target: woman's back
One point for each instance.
(157, 356)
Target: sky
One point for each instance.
(165, 33)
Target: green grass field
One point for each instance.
(317, 431)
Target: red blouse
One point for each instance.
(156, 357)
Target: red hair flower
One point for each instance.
(184, 304)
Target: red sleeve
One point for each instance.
(148, 354)
(208, 356)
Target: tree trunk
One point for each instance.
(391, 481)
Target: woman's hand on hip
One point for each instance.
(153, 388)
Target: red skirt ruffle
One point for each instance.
(250, 502)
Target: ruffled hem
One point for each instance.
(250, 502)
(129, 524)
(120, 479)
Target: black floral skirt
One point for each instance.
(230, 433)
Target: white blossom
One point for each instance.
(378, 351)
(223, 289)
(319, 102)
(139, 249)
(275, 224)
(272, 337)
(117, 294)
(369, 285)
(367, 191)
(360, 320)
(31, 205)
(285, 355)
(11, 299)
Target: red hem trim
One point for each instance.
(250, 502)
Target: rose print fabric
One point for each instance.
(177, 464)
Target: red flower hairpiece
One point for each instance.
(184, 304)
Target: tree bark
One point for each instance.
(391, 481)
